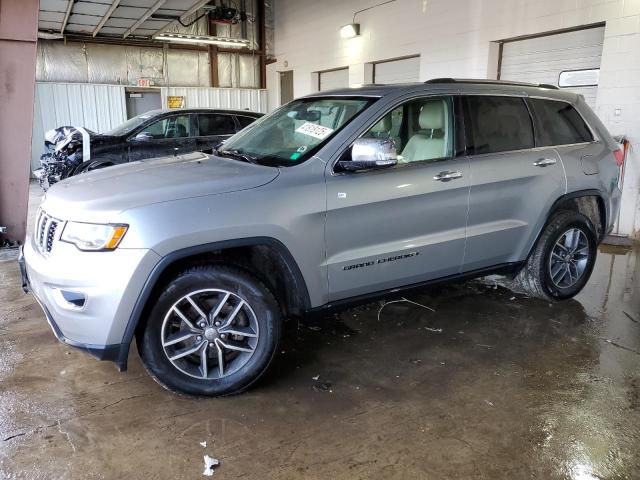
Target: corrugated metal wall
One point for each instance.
(96, 107)
(234, 98)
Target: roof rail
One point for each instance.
(490, 82)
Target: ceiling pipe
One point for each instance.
(183, 17)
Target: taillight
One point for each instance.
(619, 154)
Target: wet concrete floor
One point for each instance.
(490, 385)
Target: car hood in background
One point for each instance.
(98, 195)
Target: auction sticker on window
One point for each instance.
(315, 130)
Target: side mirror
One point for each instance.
(143, 137)
(370, 153)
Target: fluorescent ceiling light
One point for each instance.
(183, 38)
(350, 31)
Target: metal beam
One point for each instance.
(112, 8)
(67, 15)
(184, 16)
(144, 17)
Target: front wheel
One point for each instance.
(213, 331)
(562, 260)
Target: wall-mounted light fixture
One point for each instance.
(353, 29)
(185, 38)
(349, 31)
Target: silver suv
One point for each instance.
(335, 197)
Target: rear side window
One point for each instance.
(245, 121)
(212, 124)
(497, 124)
(558, 123)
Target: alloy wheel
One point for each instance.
(210, 334)
(569, 258)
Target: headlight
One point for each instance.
(93, 237)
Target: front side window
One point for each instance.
(422, 129)
(292, 133)
(497, 124)
(215, 124)
(558, 123)
(178, 126)
(131, 124)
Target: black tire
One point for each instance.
(535, 277)
(260, 301)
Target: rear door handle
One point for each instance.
(446, 176)
(543, 162)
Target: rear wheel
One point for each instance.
(213, 331)
(562, 260)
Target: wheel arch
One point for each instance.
(268, 254)
(581, 201)
(588, 202)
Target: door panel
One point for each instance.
(406, 224)
(168, 136)
(395, 227)
(513, 183)
(509, 194)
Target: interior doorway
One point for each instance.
(286, 86)
(142, 100)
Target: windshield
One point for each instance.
(294, 132)
(131, 124)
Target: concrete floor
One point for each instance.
(491, 385)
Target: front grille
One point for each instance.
(45, 231)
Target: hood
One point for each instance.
(100, 194)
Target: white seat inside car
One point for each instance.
(431, 140)
(382, 129)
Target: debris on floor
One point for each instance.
(316, 378)
(203, 444)
(210, 464)
(436, 330)
(323, 387)
(630, 317)
(616, 344)
(401, 301)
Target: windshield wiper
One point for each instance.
(238, 155)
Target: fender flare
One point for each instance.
(556, 206)
(167, 260)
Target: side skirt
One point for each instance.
(343, 304)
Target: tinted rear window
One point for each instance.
(244, 121)
(212, 124)
(497, 124)
(558, 123)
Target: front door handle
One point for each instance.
(543, 162)
(446, 176)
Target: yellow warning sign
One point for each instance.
(175, 101)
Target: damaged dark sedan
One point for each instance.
(72, 150)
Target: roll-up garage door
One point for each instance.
(542, 60)
(334, 79)
(397, 71)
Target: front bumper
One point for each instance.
(109, 283)
(107, 352)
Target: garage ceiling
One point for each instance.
(112, 18)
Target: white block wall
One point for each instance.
(453, 39)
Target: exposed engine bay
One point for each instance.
(65, 149)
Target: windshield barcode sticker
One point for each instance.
(315, 130)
